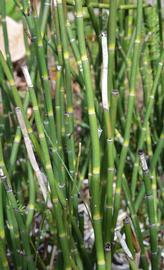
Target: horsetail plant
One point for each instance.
(95, 171)
(151, 211)
(74, 114)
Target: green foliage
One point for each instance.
(81, 137)
(12, 10)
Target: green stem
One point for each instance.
(95, 180)
(131, 99)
